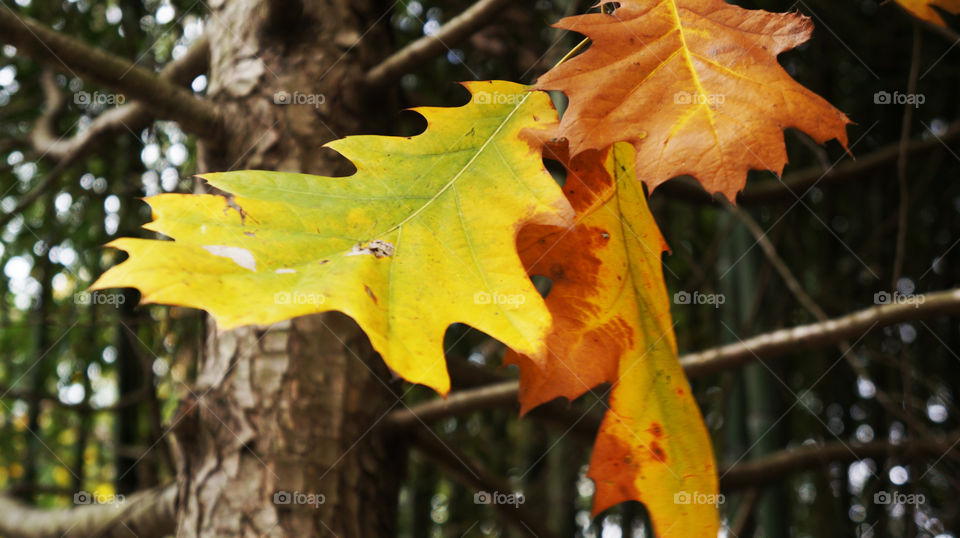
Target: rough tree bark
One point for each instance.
(292, 407)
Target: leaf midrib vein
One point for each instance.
(463, 169)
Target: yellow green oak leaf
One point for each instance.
(420, 237)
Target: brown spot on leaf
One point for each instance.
(658, 452)
(232, 204)
(656, 430)
(378, 248)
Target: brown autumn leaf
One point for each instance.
(612, 324)
(694, 85)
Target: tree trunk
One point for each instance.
(279, 437)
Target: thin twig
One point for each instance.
(772, 468)
(417, 53)
(902, 159)
(902, 215)
(778, 264)
(742, 516)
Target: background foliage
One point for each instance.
(87, 389)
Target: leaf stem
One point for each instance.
(574, 50)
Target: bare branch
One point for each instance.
(145, 514)
(415, 54)
(774, 467)
(714, 360)
(131, 117)
(59, 51)
(502, 394)
(797, 183)
(906, 124)
(742, 515)
(776, 261)
(784, 341)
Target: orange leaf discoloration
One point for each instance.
(612, 325)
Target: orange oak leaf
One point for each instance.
(611, 323)
(694, 85)
(923, 9)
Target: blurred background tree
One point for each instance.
(101, 398)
